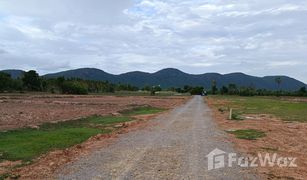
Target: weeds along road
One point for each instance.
(175, 147)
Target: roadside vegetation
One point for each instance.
(248, 134)
(29, 143)
(142, 111)
(285, 108)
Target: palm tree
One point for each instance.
(278, 81)
(213, 87)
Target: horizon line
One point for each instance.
(44, 74)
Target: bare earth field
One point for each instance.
(286, 138)
(172, 145)
(17, 111)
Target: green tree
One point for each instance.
(74, 87)
(187, 88)
(59, 82)
(5, 81)
(146, 88)
(197, 90)
(179, 90)
(157, 88)
(224, 90)
(302, 91)
(214, 87)
(17, 84)
(31, 81)
(44, 85)
(232, 89)
(278, 81)
(249, 91)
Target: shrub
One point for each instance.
(74, 87)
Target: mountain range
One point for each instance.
(171, 77)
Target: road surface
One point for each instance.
(174, 148)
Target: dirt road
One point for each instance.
(174, 147)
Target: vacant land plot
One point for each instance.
(287, 109)
(266, 124)
(17, 111)
(79, 118)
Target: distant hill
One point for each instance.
(175, 78)
(84, 73)
(14, 73)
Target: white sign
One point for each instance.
(220, 159)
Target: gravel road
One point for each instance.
(174, 147)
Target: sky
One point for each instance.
(256, 37)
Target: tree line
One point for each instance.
(233, 89)
(31, 81)
(193, 90)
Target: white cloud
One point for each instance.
(196, 36)
(93, 11)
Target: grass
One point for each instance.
(285, 109)
(142, 111)
(235, 116)
(249, 134)
(27, 144)
(9, 176)
(109, 120)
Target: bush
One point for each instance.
(197, 91)
(247, 91)
(74, 87)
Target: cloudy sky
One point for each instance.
(257, 37)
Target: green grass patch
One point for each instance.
(109, 120)
(249, 134)
(142, 111)
(235, 116)
(285, 109)
(26, 144)
(8, 176)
